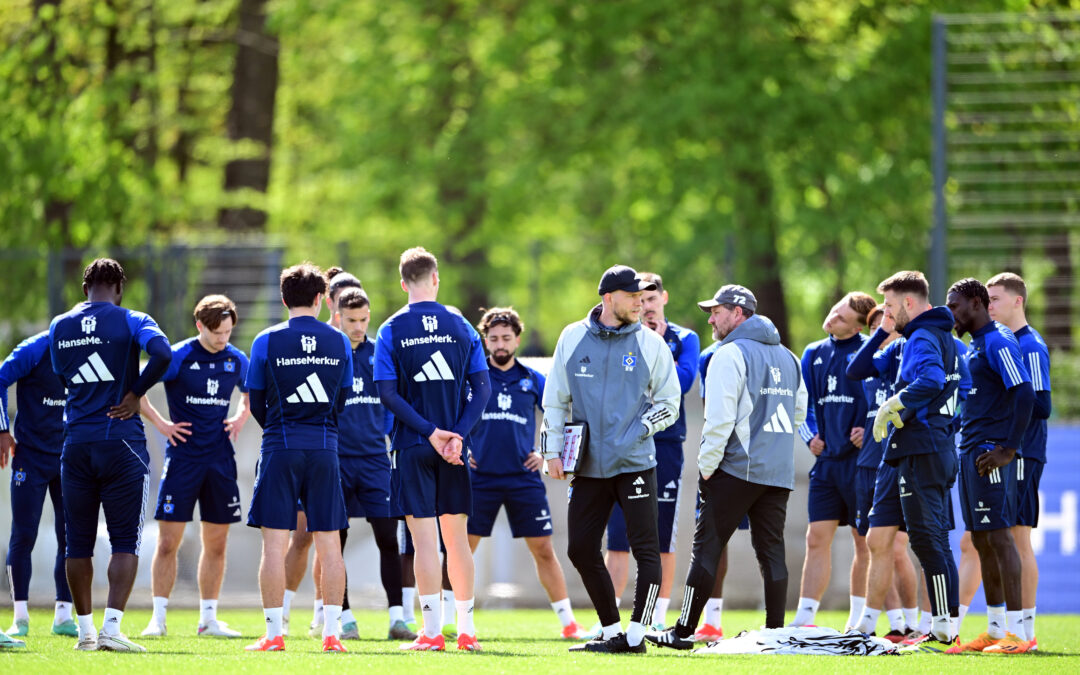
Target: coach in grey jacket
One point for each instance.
(620, 380)
(755, 401)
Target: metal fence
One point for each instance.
(1006, 95)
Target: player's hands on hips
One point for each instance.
(554, 466)
(817, 446)
(174, 432)
(127, 408)
(992, 459)
(534, 461)
(857, 434)
(7, 448)
(888, 412)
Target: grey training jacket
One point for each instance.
(755, 400)
(622, 383)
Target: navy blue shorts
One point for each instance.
(365, 482)
(886, 509)
(926, 498)
(113, 475)
(669, 466)
(431, 486)
(311, 476)
(1028, 475)
(987, 502)
(864, 497)
(831, 494)
(212, 484)
(524, 497)
(744, 524)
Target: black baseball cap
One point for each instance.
(731, 294)
(623, 278)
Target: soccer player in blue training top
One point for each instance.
(1008, 299)
(834, 432)
(881, 514)
(95, 350)
(365, 463)
(685, 348)
(995, 418)
(425, 356)
(199, 461)
(505, 464)
(920, 444)
(299, 377)
(39, 428)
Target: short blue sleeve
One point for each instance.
(346, 382)
(687, 364)
(180, 353)
(243, 359)
(143, 328)
(1037, 360)
(477, 359)
(384, 357)
(256, 373)
(1004, 357)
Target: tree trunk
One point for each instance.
(1058, 322)
(757, 238)
(251, 116)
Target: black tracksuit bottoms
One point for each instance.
(591, 502)
(725, 499)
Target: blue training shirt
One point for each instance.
(1037, 359)
(198, 387)
(303, 365)
(95, 350)
(39, 396)
(362, 425)
(876, 390)
(506, 433)
(996, 366)
(837, 404)
(430, 352)
(685, 349)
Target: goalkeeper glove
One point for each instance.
(888, 412)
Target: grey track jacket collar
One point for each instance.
(622, 383)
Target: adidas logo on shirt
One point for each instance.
(195, 366)
(94, 370)
(435, 369)
(309, 392)
(818, 361)
(779, 423)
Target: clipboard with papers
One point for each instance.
(575, 443)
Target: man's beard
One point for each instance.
(502, 357)
(901, 320)
(625, 317)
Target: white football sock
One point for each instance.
(805, 614)
(660, 610)
(207, 611)
(21, 610)
(896, 620)
(995, 621)
(855, 610)
(941, 628)
(465, 617)
(611, 631)
(63, 612)
(86, 626)
(911, 617)
(111, 624)
(346, 616)
(1014, 623)
(431, 611)
(408, 602)
(331, 616)
(925, 622)
(867, 623)
(396, 614)
(963, 610)
(1029, 623)
(635, 633)
(714, 608)
(447, 607)
(563, 611)
(161, 605)
(286, 605)
(618, 601)
(273, 621)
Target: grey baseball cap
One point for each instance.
(623, 278)
(731, 294)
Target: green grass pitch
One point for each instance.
(513, 641)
